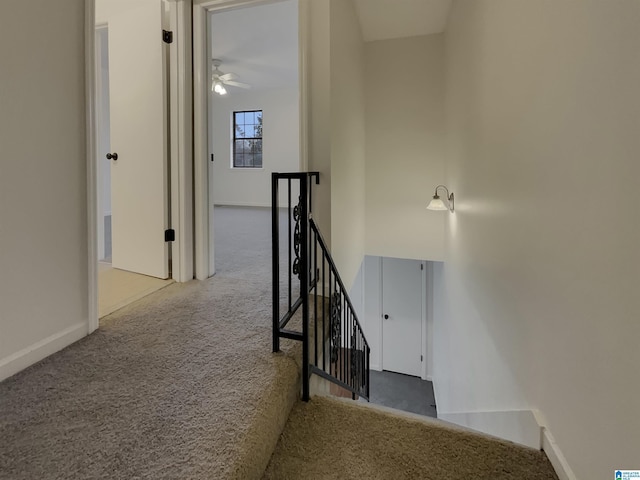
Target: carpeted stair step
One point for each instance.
(336, 439)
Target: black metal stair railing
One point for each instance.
(342, 356)
(311, 285)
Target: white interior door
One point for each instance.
(402, 291)
(138, 109)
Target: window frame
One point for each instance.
(234, 138)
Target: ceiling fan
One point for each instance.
(219, 79)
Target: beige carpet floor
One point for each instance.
(179, 385)
(329, 439)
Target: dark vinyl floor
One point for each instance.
(403, 392)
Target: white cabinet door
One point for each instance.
(402, 291)
(138, 99)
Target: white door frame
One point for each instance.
(91, 154)
(180, 161)
(204, 247)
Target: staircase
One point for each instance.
(332, 438)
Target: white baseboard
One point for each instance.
(552, 450)
(34, 353)
(519, 426)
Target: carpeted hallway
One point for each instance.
(181, 384)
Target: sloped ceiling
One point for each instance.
(387, 19)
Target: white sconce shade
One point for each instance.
(436, 202)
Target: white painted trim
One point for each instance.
(553, 452)
(204, 266)
(428, 325)
(423, 320)
(181, 85)
(99, 101)
(379, 316)
(34, 353)
(519, 426)
(204, 245)
(92, 170)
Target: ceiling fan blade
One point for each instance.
(236, 84)
(228, 76)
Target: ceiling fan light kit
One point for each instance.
(220, 79)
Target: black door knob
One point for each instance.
(112, 156)
(386, 317)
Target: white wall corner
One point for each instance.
(38, 351)
(518, 426)
(552, 450)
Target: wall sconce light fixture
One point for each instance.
(436, 202)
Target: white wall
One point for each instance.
(334, 56)
(43, 178)
(404, 146)
(347, 140)
(315, 15)
(540, 308)
(281, 144)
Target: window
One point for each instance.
(247, 139)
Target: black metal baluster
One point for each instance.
(324, 330)
(352, 337)
(289, 236)
(275, 261)
(304, 286)
(315, 301)
(344, 338)
(331, 321)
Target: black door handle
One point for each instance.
(112, 156)
(386, 317)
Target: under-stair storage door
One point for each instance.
(138, 107)
(402, 291)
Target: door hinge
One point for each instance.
(422, 266)
(167, 36)
(421, 358)
(170, 235)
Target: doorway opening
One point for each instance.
(253, 108)
(397, 305)
(132, 184)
